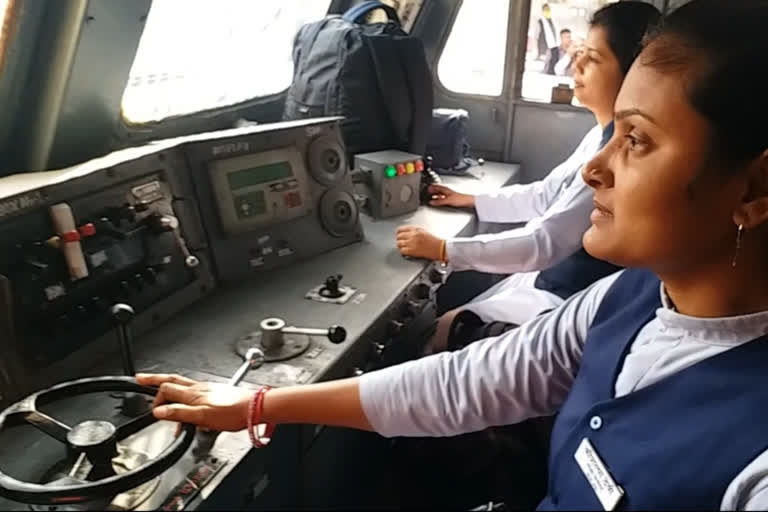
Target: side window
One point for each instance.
(199, 55)
(555, 30)
(472, 61)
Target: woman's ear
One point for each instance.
(753, 210)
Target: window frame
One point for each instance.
(510, 57)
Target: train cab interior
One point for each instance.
(194, 187)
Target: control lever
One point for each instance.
(254, 358)
(335, 333)
(280, 342)
(133, 404)
(331, 287)
(273, 329)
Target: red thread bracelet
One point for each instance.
(255, 409)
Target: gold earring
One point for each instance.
(738, 245)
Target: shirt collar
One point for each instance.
(731, 329)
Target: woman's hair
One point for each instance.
(626, 24)
(719, 49)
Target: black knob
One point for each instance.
(356, 372)
(379, 348)
(436, 275)
(429, 161)
(138, 281)
(106, 227)
(409, 308)
(394, 328)
(421, 291)
(337, 334)
(150, 275)
(331, 287)
(122, 313)
(97, 304)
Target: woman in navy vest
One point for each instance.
(660, 376)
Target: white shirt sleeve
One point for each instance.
(540, 244)
(749, 490)
(521, 203)
(524, 373)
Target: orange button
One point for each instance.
(419, 165)
(400, 169)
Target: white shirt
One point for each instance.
(559, 206)
(529, 371)
(556, 210)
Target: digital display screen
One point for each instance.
(250, 204)
(259, 175)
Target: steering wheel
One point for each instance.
(96, 439)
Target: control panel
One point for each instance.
(393, 178)
(261, 189)
(96, 259)
(69, 251)
(403, 328)
(271, 195)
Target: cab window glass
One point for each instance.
(197, 55)
(556, 28)
(472, 61)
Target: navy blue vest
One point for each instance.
(580, 269)
(676, 444)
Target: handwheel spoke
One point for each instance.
(48, 425)
(131, 427)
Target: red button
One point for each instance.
(292, 199)
(87, 230)
(419, 165)
(70, 236)
(400, 169)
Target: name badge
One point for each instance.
(606, 489)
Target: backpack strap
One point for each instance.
(399, 74)
(301, 57)
(392, 82)
(356, 13)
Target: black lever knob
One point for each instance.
(337, 334)
(122, 314)
(134, 404)
(331, 287)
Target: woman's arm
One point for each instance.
(521, 203)
(225, 408)
(524, 373)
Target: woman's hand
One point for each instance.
(445, 196)
(417, 242)
(211, 406)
